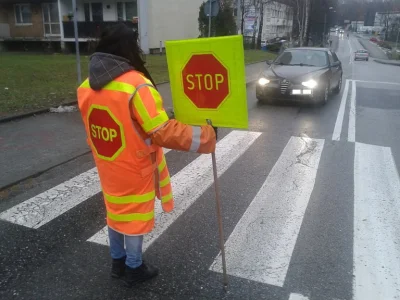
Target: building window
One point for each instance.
(23, 14)
(50, 19)
(93, 11)
(126, 11)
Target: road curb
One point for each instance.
(387, 62)
(34, 113)
(9, 185)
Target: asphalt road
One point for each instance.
(310, 209)
(373, 49)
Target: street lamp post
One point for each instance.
(324, 32)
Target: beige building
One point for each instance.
(278, 21)
(51, 20)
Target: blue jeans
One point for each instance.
(133, 250)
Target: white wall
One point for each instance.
(172, 20)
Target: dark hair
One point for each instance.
(122, 41)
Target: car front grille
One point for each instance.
(284, 86)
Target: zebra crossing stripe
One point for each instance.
(192, 181)
(261, 245)
(41, 209)
(376, 248)
(297, 297)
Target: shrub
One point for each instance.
(384, 44)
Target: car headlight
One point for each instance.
(310, 83)
(263, 81)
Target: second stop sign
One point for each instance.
(205, 81)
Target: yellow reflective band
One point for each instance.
(131, 217)
(146, 80)
(166, 198)
(165, 181)
(113, 86)
(130, 198)
(157, 99)
(155, 122)
(162, 165)
(85, 84)
(148, 123)
(120, 87)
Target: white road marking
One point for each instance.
(261, 245)
(297, 297)
(378, 82)
(376, 253)
(191, 182)
(351, 136)
(41, 209)
(351, 52)
(339, 119)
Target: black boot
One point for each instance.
(142, 273)
(118, 267)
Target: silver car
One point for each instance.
(361, 54)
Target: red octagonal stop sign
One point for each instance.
(106, 132)
(205, 81)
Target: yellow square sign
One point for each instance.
(208, 81)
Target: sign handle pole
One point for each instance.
(219, 217)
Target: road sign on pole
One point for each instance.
(208, 85)
(211, 9)
(208, 81)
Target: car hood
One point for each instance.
(293, 73)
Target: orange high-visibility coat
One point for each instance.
(127, 127)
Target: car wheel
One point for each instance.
(339, 86)
(367, 59)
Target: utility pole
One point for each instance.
(78, 57)
(209, 20)
(323, 33)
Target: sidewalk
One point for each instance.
(388, 62)
(35, 144)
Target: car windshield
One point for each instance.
(310, 58)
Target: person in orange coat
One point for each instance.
(126, 128)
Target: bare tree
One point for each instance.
(302, 15)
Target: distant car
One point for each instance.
(332, 30)
(373, 39)
(301, 74)
(341, 31)
(361, 54)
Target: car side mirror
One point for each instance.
(336, 64)
(269, 62)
